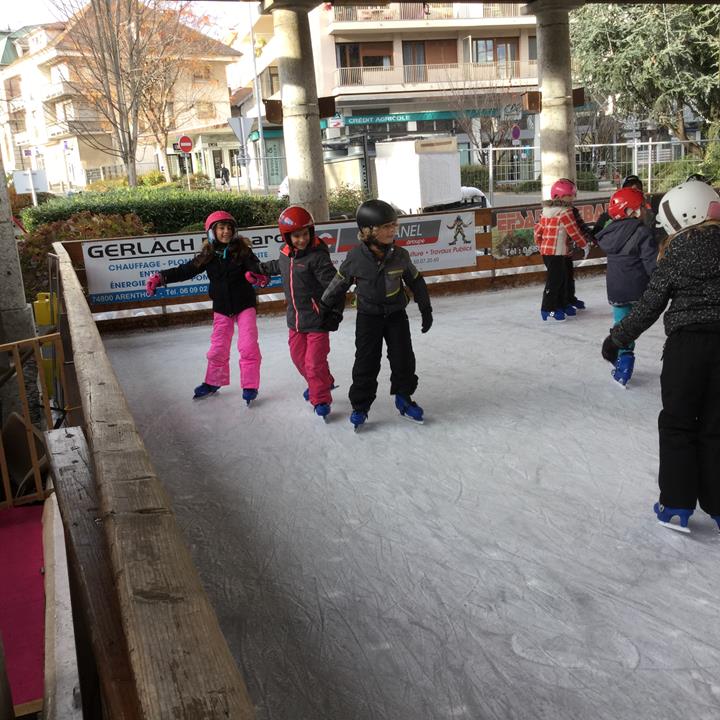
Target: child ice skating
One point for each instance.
(688, 277)
(554, 234)
(306, 271)
(380, 271)
(227, 258)
(631, 258)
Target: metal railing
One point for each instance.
(424, 11)
(457, 75)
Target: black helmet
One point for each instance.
(373, 213)
(699, 178)
(632, 181)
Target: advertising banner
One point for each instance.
(512, 232)
(118, 269)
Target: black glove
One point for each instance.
(330, 318)
(426, 320)
(610, 349)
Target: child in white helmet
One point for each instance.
(556, 233)
(688, 277)
(227, 259)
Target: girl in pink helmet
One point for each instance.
(555, 235)
(231, 267)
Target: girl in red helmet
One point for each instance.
(306, 271)
(631, 258)
(231, 266)
(555, 234)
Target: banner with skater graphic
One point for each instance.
(512, 232)
(118, 269)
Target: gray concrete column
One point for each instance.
(557, 119)
(301, 115)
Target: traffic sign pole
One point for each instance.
(185, 144)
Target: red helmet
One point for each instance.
(624, 202)
(218, 216)
(562, 187)
(295, 218)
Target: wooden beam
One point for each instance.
(181, 663)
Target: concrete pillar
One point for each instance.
(557, 119)
(301, 115)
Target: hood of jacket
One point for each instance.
(550, 211)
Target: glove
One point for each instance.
(152, 284)
(330, 318)
(256, 279)
(610, 349)
(426, 320)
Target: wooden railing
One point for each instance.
(22, 453)
(179, 665)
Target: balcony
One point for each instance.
(75, 127)
(16, 103)
(448, 76)
(22, 138)
(395, 12)
(58, 90)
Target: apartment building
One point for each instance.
(47, 123)
(405, 68)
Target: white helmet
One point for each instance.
(688, 204)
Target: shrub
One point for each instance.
(153, 178)
(84, 225)
(586, 180)
(527, 186)
(667, 175)
(161, 210)
(475, 176)
(20, 202)
(198, 181)
(344, 200)
(106, 185)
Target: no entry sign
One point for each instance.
(185, 144)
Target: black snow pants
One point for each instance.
(370, 331)
(689, 422)
(560, 282)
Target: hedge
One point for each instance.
(475, 176)
(164, 211)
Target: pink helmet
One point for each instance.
(562, 187)
(218, 216)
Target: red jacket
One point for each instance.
(558, 230)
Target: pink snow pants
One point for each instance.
(309, 352)
(218, 356)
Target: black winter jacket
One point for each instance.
(689, 278)
(230, 292)
(305, 275)
(631, 258)
(379, 281)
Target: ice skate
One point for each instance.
(570, 311)
(409, 409)
(623, 370)
(666, 514)
(578, 305)
(249, 395)
(205, 390)
(558, 315)
(322, 410)
(358, 418)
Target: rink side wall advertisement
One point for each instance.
(118, 269)
(512, 232)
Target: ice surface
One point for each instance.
(500, 561)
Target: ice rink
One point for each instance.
(500, 561)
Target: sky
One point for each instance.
(17, 14)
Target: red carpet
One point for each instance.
(22, 600)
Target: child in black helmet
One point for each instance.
(380, 270)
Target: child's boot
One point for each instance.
(358, 418)
(570, 311)
(666, 514)
(249, 394)
(408, 408)
(623, 370)
(558, 315)
(205, 390)
(322, 410)
(578, 304)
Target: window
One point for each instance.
(370, 54)
(532, 47)
(205, 110)
(201, 74)
(269, 81)
(483, 51)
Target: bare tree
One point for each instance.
(118, 50)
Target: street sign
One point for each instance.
(185, 144)
(26, 183)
